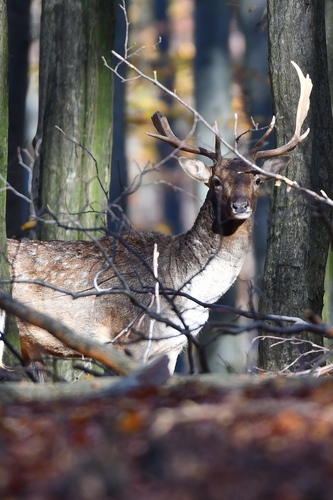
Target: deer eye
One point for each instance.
(216, 182)
(258, 181)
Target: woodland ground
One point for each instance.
(195, 438)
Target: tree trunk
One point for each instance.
(212, 68)
(76, 94)
(328, 299)
(3, 135)
(297, 243)
(19, 42)
(4, 272)
(118, 163)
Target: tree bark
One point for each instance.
(76, 94)
(118, 163)
(328, 299)
(297, 242)
(11, 335)
(3, 136)
(19, 43)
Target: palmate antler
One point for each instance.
(166, 134)
(302, 111)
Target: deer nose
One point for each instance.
(240, 207)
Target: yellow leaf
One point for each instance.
(30, 224)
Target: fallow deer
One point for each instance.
(112, 279)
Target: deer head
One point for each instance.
(233, 183)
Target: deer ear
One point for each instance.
(275, 165)
(196, 169)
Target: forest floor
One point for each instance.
(259, 438)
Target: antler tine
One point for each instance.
(302, 111)
(166, 134)
(262, 140)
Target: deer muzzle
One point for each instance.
(240, 209)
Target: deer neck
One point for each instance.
(211, 255)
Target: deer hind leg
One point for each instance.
(173, 356)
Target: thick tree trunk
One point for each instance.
(76, 93)
(297, 242)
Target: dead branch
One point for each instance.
(111, 358)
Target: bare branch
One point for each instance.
(110, 357)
